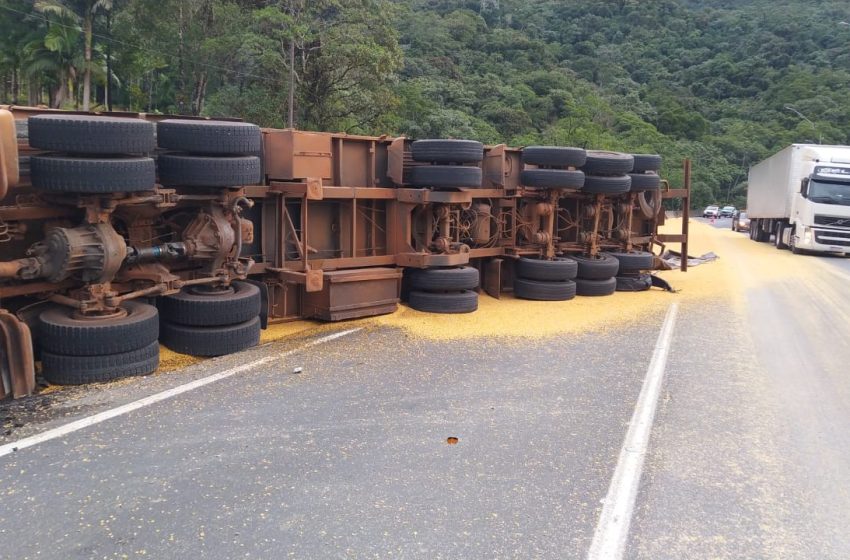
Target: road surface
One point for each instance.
(748, 453)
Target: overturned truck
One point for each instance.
(120, 232)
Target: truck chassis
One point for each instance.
(327, 234)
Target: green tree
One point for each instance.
(56, 58)
(83, 13)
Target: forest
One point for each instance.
(722, 82)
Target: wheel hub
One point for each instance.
(211, 291)
(100, 314)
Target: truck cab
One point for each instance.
(800, 198)
(821, 211)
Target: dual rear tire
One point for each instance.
(545, 280)
(91, 155)
(444, 290)
(216, 154)
(556, 167)
(76, 350)
(597, 276)
(448, 164)
(204, 322)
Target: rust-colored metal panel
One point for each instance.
(284, 302)
(425, 196)
(424, 260)
(294, 154)
(350, 294)
(354, 161)
(395, 161)
(17, 366)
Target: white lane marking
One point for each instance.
(612, 531)
(158, 397)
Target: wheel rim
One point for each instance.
(117, 313)
(210, 291)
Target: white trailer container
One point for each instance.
(801, 196)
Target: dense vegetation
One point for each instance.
(723, 82)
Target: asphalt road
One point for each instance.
(749, 454)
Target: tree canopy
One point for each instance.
(724, 83)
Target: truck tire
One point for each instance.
(634, 283)
(544, 291)
(646, 162)
(606, 287)
(193, 307)
(208, 171)
(446, 302)
(791, 245)
(209, 137)
(760, 235)
(607, 184)
(602, 267)
(447, 151)
(92, 176)
(554, 156)
(59, 369)
(446, 176)
(444, 279)
(210, 341)
(264, 301)
(645, 182)
(62, 333)
(556, 270)
(83, 134)
(753, 229)
(608, 163)
(780, 228)
(634, 261)
(552, 179)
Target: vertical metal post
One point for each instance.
(373, 242)
(550, 224)
(353, 227)
(594, 236)
(306, 252)
(686, 215)
(291, 120)
(631, 212)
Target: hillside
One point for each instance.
(712, 80)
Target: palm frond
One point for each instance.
(54, 7)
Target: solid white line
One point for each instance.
(158, 397)
(609, 539)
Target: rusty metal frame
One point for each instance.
(335, 219)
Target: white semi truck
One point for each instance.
(801, 197)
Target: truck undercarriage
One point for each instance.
(226, 227)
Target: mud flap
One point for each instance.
(17, 366)
(663, 284)
(493, 278)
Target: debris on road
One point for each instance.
(674, 259)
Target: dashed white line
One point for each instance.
(612, 531)
(158, 397)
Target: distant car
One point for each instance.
(740, 222)
(711, 212)
(727, 211)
